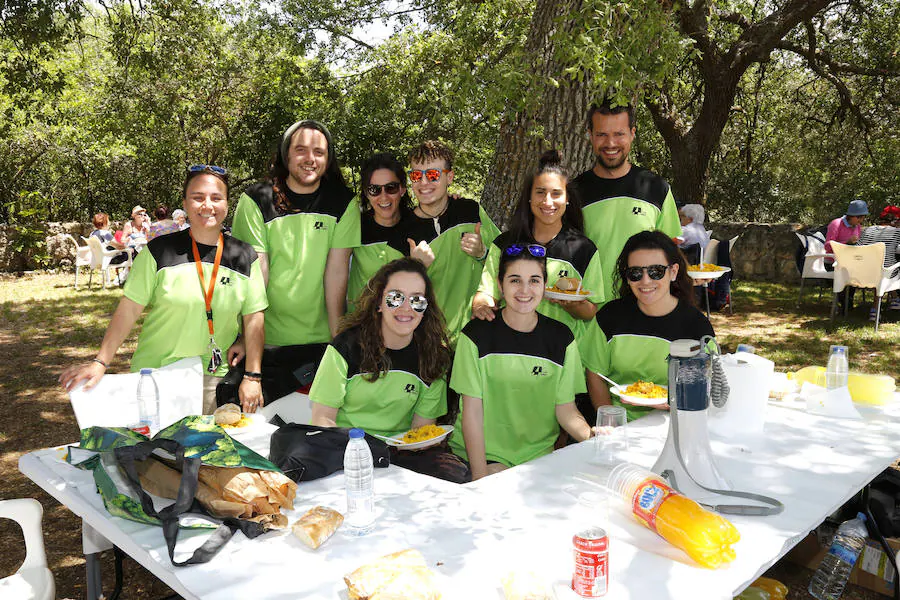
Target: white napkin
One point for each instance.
(830, 403)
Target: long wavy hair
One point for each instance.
(522, 226)
(682, 288)
(278, 171)
(432, 343)
(383, 160)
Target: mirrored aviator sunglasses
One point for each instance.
(655, 272)
(394, 299)
(536, 250)
(374, 189)
(211, 168)
(432, 175)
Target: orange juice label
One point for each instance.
(648, 498)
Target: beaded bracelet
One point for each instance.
(98, 361)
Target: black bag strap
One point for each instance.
(187, 489)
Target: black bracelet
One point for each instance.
(97, 360)
(252, 374)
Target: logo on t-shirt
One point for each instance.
(637, 210)
(410, 388)
(225, 280)
(319, 225)
(563, 273)
(538, 371)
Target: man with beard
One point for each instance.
(619, 198)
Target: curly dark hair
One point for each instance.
(430, 336)
(522, 226)
(383, 160)
(682, 288)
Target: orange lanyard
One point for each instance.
(208, 293)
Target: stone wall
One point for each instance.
(764, 252)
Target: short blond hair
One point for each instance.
(431, 150)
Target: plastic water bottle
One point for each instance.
(359, 479)
(746, 348)
(148, 404)
(836, 372)
(830, 578)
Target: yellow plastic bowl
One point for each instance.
(865, 388)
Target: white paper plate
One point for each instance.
(566, 296)
(708, 274)
(620, 392)
(448, 429)
(255, 420)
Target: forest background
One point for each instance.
(763, 110)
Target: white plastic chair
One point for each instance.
(33, 580)
(101, 259)
(862, 267)
(82, 255)
(293, 408)
(813, 261)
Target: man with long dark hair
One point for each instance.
(618, 198)
(294, 221)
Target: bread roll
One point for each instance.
(398, 575)
(317, 525)
(567, 284)
(227, 414)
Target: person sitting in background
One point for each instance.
(846, 229)
(134, 233)
(102, 232)
(693, 231)
(385, 370)
(180, 219)
(164, 224)
(887, 232)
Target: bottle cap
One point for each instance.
(146, 371)
(746, 348)
(837, 350)
(684, 348)
(357, 434)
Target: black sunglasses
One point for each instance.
(210, 168)
(536, 250)
(655, 272)
(373, 189)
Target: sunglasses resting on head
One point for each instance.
(536, 250)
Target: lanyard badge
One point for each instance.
(215, 354)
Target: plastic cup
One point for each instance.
(611, 440)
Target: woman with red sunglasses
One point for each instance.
(385, 370)
(629, 339)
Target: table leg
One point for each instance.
(94, 585)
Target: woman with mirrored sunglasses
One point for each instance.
(380, 233)
(385, 370)
(549, 215)
(517, 374)
(629, 339)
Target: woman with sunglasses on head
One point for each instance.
(550, 215)
(383, 207)
(183, 278)
(629, 339)
(517, 374)
(385, 370)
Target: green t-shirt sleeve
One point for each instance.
(466, 377)
(572, 379)
(489, 272)
(330, 385)
(668, 221)
(255, 299)
(346, 232)
(489, 231)
(594, 348)
(593, 279)
(141, 282)
(248, 224)
(433, 401)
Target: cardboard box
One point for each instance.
(873, 570)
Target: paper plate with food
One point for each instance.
(419, 437)
(566, 288)
(643, 393)
(707, 271)
(230, 418)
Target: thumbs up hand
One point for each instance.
(421, 252)
(472, 244)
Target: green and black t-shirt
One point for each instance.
(453, 273)
(626, 345)
(164, 279)
(569, 254)
(520, 378)
(373, 247)
(296, 244)
(616, 209)
(385, 406)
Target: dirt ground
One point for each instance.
(45, 325)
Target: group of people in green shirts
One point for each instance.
(387, 301)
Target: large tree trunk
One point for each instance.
(557, 112)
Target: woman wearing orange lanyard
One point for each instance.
(197, 283)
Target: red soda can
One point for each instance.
(591, 578)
